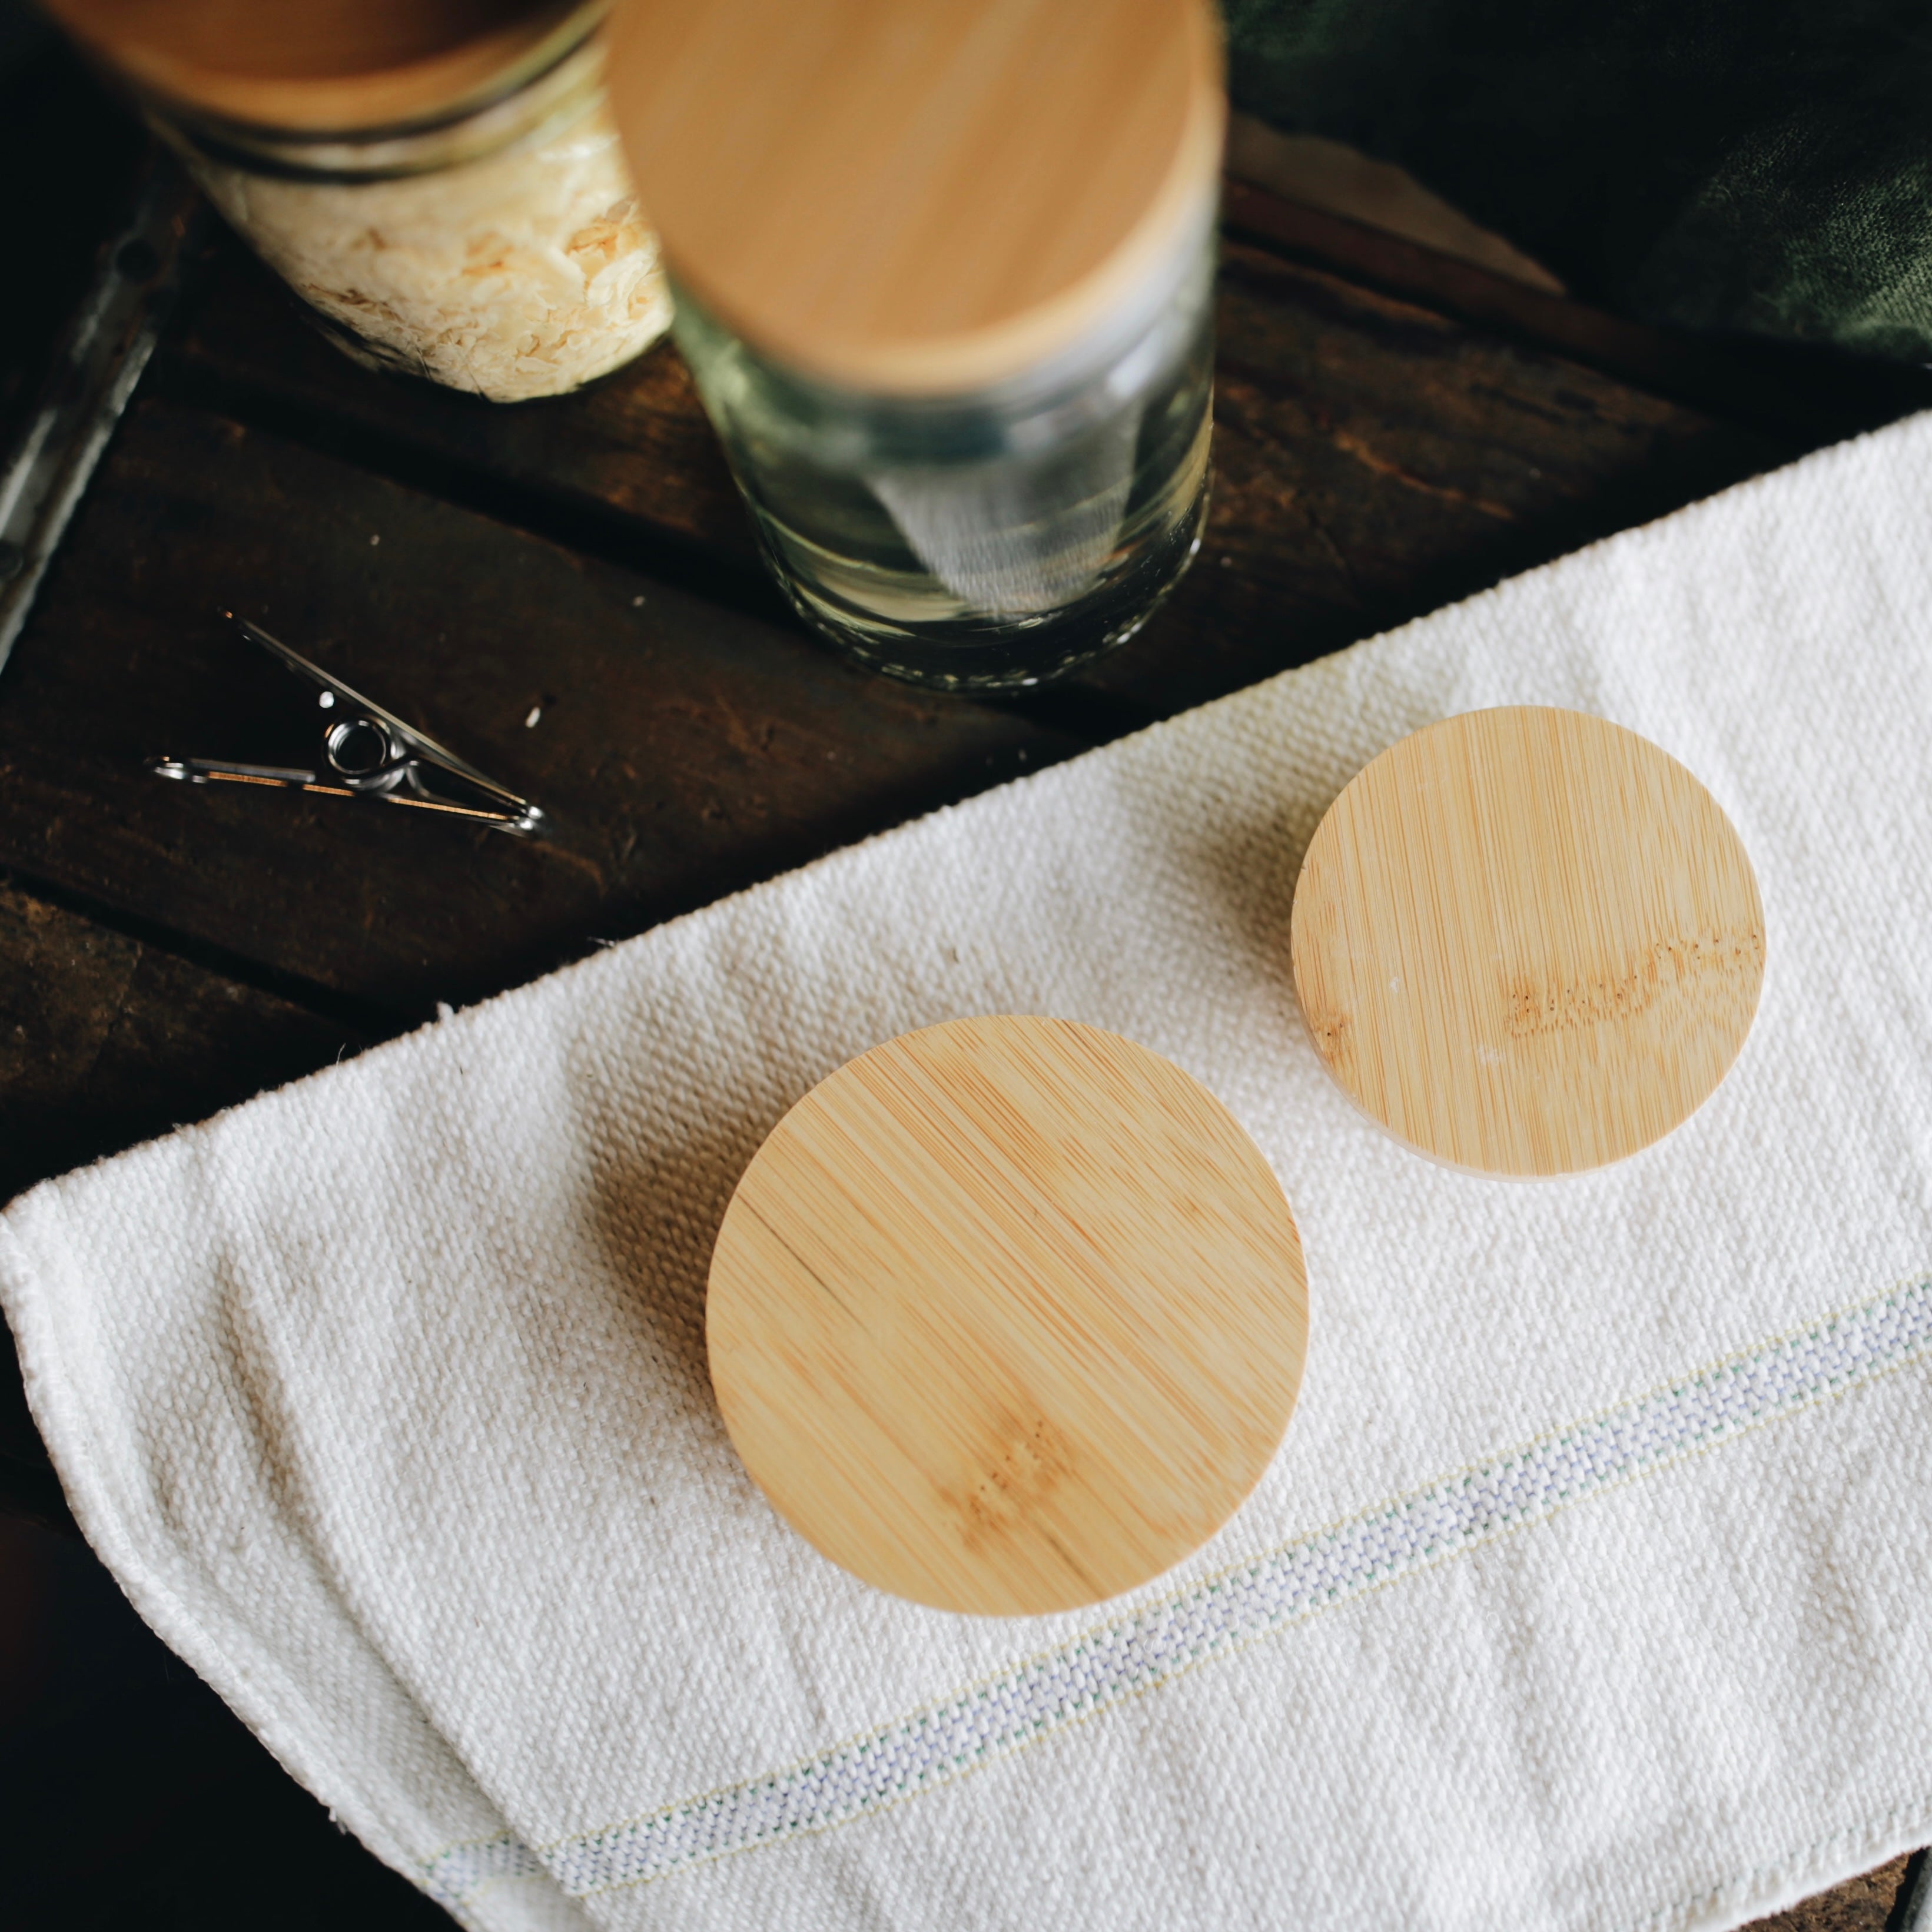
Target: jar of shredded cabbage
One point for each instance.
(443, 188)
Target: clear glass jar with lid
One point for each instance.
(439, 180)
(944, 278)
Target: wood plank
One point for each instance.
(1374, 458)
(1866, 1903)
(633, 453)
(106, 1039)
(1810, 391)
(682, 750)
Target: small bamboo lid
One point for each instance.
(325, 66)
(920, 198)
(1527, 941)
(1007, 1315)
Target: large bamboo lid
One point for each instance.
(1007, 1315)
(1527, 941)
(325, 66)
(920, 198)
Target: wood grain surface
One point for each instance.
(328, 65)
(1007, 1315)
(1386, 439)
(1527, 941)
(107, 1038)
(921, 200)
(1876, 1901)
(1789, 388)
(682, 749)
(1373, 459)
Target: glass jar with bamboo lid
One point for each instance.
(944, 276)
(438, 180)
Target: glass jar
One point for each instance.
(944, 278)
(496, 246)
(988, 541)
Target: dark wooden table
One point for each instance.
(566, 591)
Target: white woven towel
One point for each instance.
(1589, 1590)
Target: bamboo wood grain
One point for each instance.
(1007, 1315)
(325, 66)
(1527, 941)
(919, 199)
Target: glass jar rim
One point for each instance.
(859, 431)
(525, 97)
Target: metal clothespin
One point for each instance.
(369, 753)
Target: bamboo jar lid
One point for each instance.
(1527, 941)
(1007, 1315)
(924, 199)
(325, 66)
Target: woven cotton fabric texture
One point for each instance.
(1586, 1591)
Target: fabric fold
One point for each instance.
(1586, 1590)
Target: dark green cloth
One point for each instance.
(1752, 166)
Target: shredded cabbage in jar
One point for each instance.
(525, 274)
